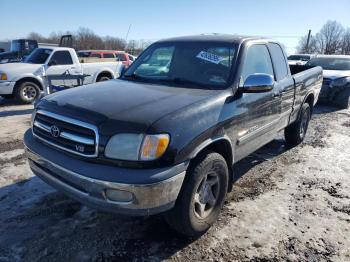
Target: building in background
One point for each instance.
(5, 45)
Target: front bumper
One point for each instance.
(6, 87)
(150, 198)
(330, 94)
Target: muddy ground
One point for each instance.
(287, 204)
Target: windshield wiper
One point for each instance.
(180, 80)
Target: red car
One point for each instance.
(125, 58)
(96, 53)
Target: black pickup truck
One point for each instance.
(164, 137)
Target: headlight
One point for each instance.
(340, 81)
(135, 147)
(3, 77)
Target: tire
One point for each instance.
(26, 92)
(201, 197)
(295, 133)
(103, 78)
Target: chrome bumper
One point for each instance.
(146, 199)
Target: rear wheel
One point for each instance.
(26, 92)
(103, 78)
(295, 133)
(201, 197)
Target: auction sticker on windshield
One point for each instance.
(209, 57)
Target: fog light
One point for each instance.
(119, 195)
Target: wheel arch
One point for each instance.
(310, 99)
(221, 145)
(104, 72)
(29, 79)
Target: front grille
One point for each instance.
(65, 133)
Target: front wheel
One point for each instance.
(295, 133)
(201, 197)
(26, 92)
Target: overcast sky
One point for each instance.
(151, 20)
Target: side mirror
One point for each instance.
(258, 83)
(52, 63)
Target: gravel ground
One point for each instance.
(287, 204)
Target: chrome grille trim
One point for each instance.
(67, 135)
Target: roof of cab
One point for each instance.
(212, 38)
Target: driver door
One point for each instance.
(261, 115)
(61, 70)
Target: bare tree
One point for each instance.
(346, 42)
(86, 39)
(36, 36)
(114, 43)
(305, 48)
(329, 38)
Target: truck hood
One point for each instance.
(13, 70)
(5, 55)
(334, 74)
(122, 106)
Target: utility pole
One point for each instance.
(126, 37)
(308, 41)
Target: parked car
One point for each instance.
(25, 80)
(21, 48)
(92, 56)
(165, 140)
(132, 58)
(124, 57)
(336, 79)
(299, 59)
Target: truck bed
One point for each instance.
(305, 78)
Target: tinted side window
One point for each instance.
(121, 57)
(108, 55)
(279, 62)
(96, 55)
(62, 58)
(257, 60)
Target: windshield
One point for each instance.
(206, 65)
(15, 46)
(299, 57)
(38, 56)
(328, 63)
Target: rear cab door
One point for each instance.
(284, 83)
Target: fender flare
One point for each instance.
(104, 70)
(304, 101)
(210, 141)
(31, 77)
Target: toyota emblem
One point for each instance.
(55, 131)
